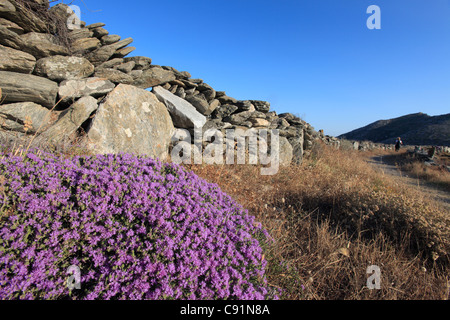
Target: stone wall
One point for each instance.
(88, 74)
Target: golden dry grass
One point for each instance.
(334, 216)
(437, 175)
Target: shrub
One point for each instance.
(137, 229)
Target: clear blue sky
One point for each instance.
(314, 58)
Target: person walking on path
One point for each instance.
(398, 143)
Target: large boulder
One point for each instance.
(15, 60)
(73, 89)
(59, 68)
(18, 87)
(72, 119)
(131, 120)
(154, 77)
(184, 115)
(24, 117)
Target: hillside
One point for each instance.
(414, 129)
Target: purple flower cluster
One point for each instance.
(137, 229)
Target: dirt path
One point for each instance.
(386, 164)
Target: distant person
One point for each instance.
(432, 152)
(398, 143)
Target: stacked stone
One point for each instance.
(85, 77)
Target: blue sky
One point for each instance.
(314, 58)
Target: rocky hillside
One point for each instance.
(119, 103)
(414, 129)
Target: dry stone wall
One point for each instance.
(89, 75)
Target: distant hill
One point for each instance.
(414, 129)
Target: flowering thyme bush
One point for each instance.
(137, 229)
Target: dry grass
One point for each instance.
(436, 175)
(334, 216)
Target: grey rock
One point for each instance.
(42, 45)
(18, 87)
(259, 123)
(10, 39)
(184, 115)
(287, 116)
(80, 34)
(282, 124)
(96, 25)
(59, 68)
(203, 87)
(189, 84)
(177, 73)
(26, 19)
(136, 73)
(11, 26)
(110, 39)
(173, 89)
(14, 116)
(103, 53)
(227, 100)
(286, 152)
(142, 124)
(121, 53)
(110, 63)
(99, 32)
(262, 106)
(224, 111)
(85, 45)
(126, 67)
(190, 91)
(185, 74)
(16, 61)
(142, 63)
(178, 83)
(180, 92)
(258, 115)
(200, 103)
(153, 77)
(210, 95)
(238, 118)
(72, 119)
(245, 105)
(290, 132)
(113, 75)
(297, 148)
(213, 105)
(73, 89)
(196, 81)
